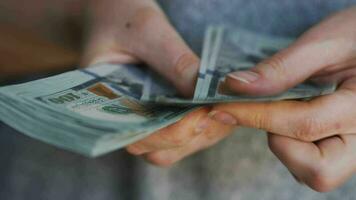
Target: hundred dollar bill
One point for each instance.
(87, 111)
(96, 110)
(240, 50)
(211, 44)
(227, 50)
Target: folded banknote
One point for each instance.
(104, 107)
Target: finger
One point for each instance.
(103, 43)
(173, 136)
(343, 66)
(323, 165)
(211, 136)
(161, 47)
(336, 77)
(304, 120)
(317, 49)
(141, 31)
(107, 56)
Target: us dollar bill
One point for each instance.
(91, 111)
(225, 50)
(210, 46)
(228, 50)
(105, 107)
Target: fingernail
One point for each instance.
(244, 76)
(223, 117)
(202, 125)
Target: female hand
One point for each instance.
(315, 139)
(130, 31)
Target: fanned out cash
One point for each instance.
(229, 50)
(105, 107)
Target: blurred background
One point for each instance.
(39, 37)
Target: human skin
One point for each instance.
(315, 139)
(131, 31)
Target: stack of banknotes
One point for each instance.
(105, 107)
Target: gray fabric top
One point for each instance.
(278, 17)
(240, 167)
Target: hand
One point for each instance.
(315, 139)
(130, 31)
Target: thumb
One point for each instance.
(307, 56)
(145, 35)
(162, 48)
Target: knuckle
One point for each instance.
(310, 130)
(211, 139)
(320, 178)
(273, 144)
(184, 63)
(274, 69)
(134, 150)
(276, 63)
(218, 134)
(160, 160)
(176, 139)
(262, 121)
